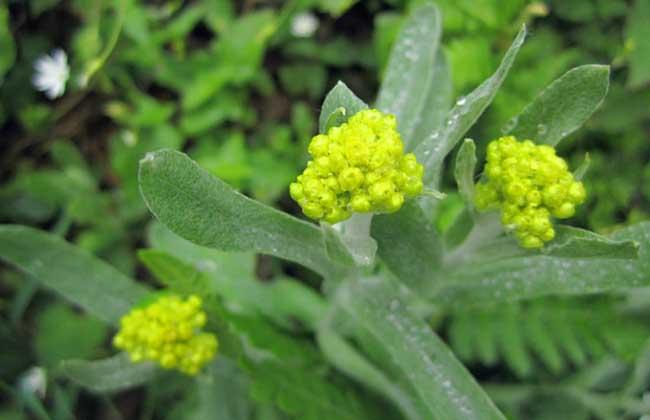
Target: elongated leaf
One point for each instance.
(232, 276)
(203, 209)
(464, 171)
(437, 104)
(408, 245)
(571, 242)
(339, 105)
(501, 278)
(109, 375)
(563, 106)
(440, 385)
(404, 90)
(79, 277)
(433, 150)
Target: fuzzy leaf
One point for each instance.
(109, 375)
(571, 242)
(406, 84)
(436, 105)
(530, 274)
(203, 209)
(339, 105)
(439, 385)
(563, 106)
(464, 171)
(81, 278)
(433, 150)
(408, 244)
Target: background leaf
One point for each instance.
(563, 106)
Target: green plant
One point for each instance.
(366, 346)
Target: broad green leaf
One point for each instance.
(439, 385)
(637, 32)
(563, 106)
(433, 150)
(524, 275)
(81, 278)
(409, 75)
(464, 171)
(339, 105)
(571, 242)
(437, 104)
(7, 47)
(203, 209)
(408, 245)
(109, 375)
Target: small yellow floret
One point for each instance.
(530, 184)
(168, 331)
(360, 167)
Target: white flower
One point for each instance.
(33, 381)
(52, 73)
(304, 25)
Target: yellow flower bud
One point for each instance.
(167, 331)
(529, 183)
(359, 166)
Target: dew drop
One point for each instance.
(541, 129)
(461, 101)
(510, 125)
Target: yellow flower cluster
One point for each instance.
(168, 331)
(359, 166)
(529, 183)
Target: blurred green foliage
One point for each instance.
(232, 85)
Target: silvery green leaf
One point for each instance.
(109, 375)
(464, 171)
(500, 271)
(408, 244)
(437, 104)
(339, 105)
(439, 386)
(572, 242)
(81, 278)
(563, 106)
(581, 171)
(203, 209)
(433, 150)
(409, 74)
